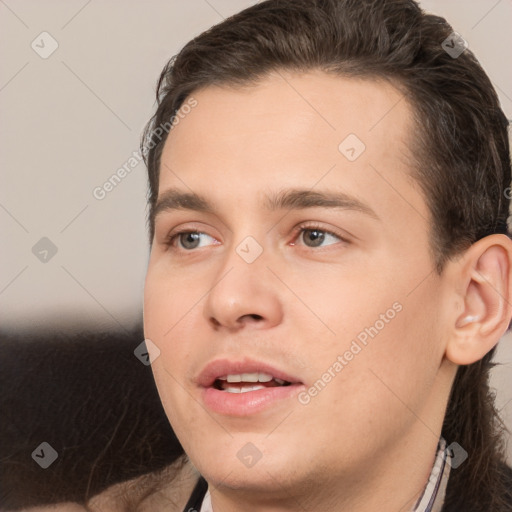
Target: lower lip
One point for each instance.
(251, 402)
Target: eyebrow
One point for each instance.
(291, 199)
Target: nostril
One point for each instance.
(251, 317)
(215, 322)
(244, 318)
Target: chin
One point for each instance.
(248, 480)
(246, 468)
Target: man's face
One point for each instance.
(342, 299)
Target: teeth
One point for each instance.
(250, 377)
(233, 389)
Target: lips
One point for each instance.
(220, 369)
(241, 388)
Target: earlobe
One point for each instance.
(485, 272)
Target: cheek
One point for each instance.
(348, 305)
(386, 346)
(373, 397)
(165, 316)
(176, 352)
(167, 300)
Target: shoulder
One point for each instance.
(163, 491)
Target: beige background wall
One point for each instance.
(70, 120)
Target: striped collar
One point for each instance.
(432, 499)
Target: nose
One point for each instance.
(244, 295)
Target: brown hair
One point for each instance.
(461, 149)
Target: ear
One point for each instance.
(484, 278)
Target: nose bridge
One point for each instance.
(248, 250)
(243, 287)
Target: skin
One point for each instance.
(367, 441)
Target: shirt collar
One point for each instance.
(432, 498)
(207, 503)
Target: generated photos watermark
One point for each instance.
(356, 346)
(101, 191)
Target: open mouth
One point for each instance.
(242, 388)
(245, 382)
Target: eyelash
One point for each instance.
(170, 241)
(316, 227)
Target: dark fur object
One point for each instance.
(92, 400)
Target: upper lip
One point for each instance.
(221, 367)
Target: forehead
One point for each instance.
(289, 127)
(316, 105)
